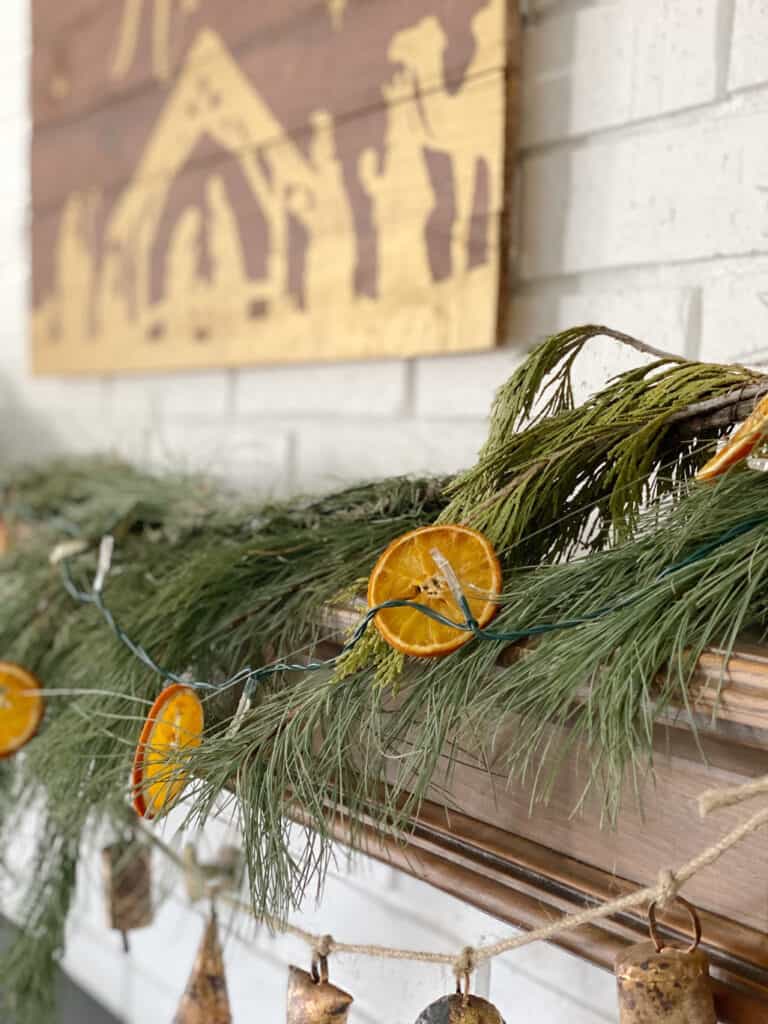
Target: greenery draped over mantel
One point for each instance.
(587, 506)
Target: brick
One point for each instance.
(735, 318)
(749, 44)
(459, 387)
(14, 91)
(14, 280)
(241, 454)
(603, 66)
(15, 37)
(660, 316)
(327, 458)
(14, 187)
(676, 194)
(364, 388)
(139, 395)
(43, 415)
(463, 386)
(190, 394)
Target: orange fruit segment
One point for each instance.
(21, 707)
(173, 728)
(740, 444)
(408, 570)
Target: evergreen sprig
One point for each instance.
(553, 478)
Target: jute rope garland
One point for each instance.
(663, 893)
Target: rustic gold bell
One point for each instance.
(126, 869)
(205, 999)
(660, 983)
(313, 1000)
(460, 1008)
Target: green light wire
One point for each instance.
(250, 677)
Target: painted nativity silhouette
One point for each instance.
(231, 241)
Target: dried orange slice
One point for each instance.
(740, 444)
(174, 726)
(407, 570)
(21, 707)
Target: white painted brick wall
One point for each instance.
(592, 68)
(333, 390)
(643, 204)
(675, 192)
(748, 66)
(735, 317)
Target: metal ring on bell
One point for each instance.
(461, 1008)
(662, 982)
(465, 992)
(312, 999)
(320, 969)
(653, 927)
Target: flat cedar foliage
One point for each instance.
(588, 508)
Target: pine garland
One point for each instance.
(209, 583)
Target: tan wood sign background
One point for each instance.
(219, 182)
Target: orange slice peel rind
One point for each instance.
(412, 569)
(21, 707)
(173, 728)
(739, 445)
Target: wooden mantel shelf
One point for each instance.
(479, 839)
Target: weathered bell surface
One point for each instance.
(314, 1000)
(205, 999)
(460, 1009)
(667, 987)
(127, 876)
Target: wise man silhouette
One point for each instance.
(402, 195)
(454, 122)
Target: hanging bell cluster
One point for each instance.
(659, 983)
(312, 999)
(126, 868)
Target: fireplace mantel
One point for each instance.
(478, 838)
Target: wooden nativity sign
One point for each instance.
(219, 182)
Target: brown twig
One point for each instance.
(638, 345)
(722, 411)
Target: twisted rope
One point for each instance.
(664, 892)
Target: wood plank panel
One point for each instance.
(297, 53)
(293, 78)
(662, 829)
(184, 221)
